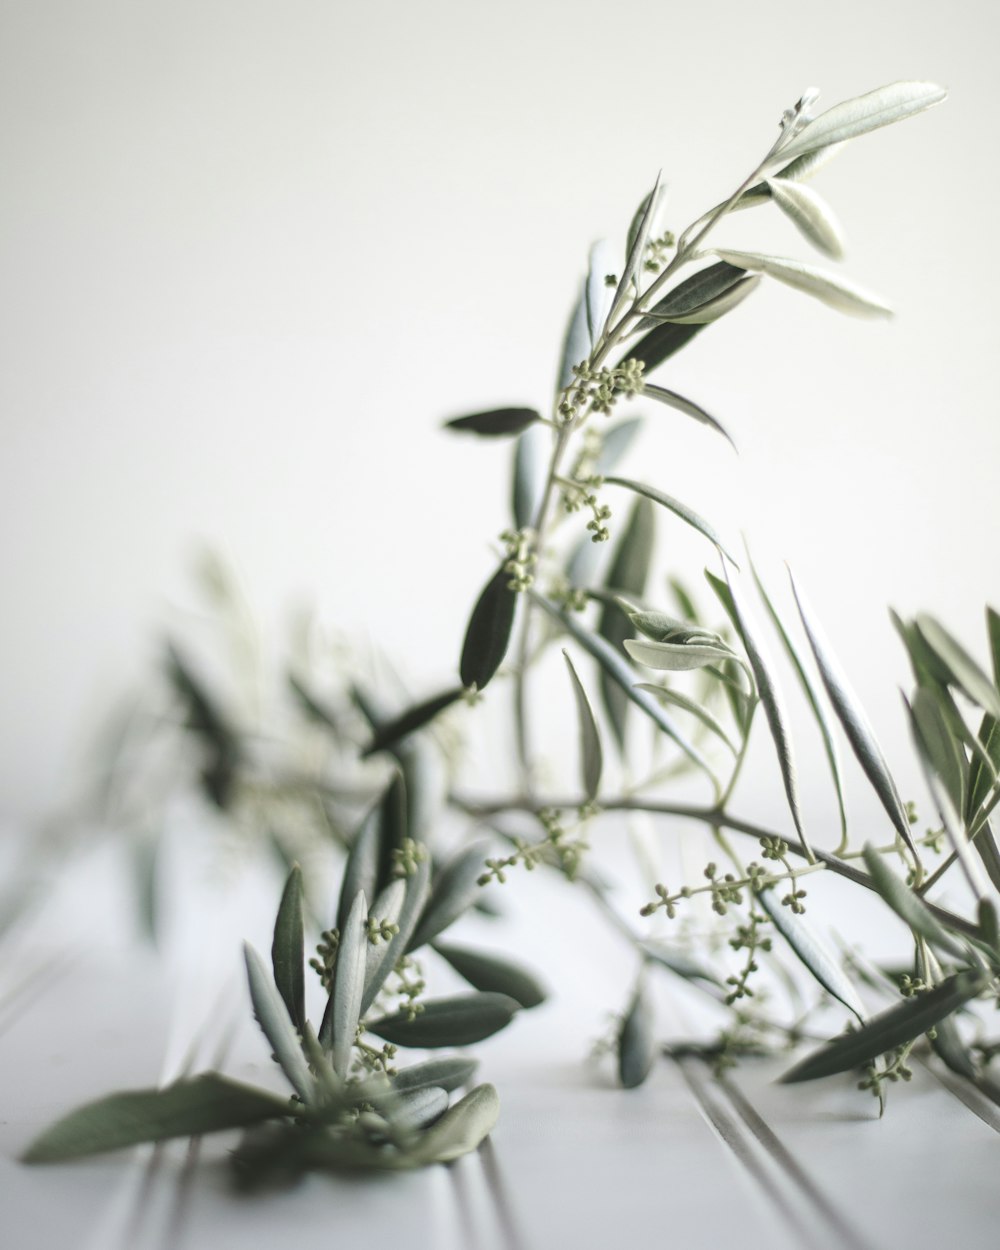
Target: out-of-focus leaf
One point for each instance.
(208, 1103)
(636, 1041)
(599, 293)
(456, 1021)
(627, 575)
(576, 345)
(662, 342)
(411, 720)
(462, 1128)
(287, 949)
(314, 707)
(829, 288)
(811, 951)
(910, 909)
(963, 670)
(810, 215)
(615, 441)
(206, 719)
(855, 723)
(340, 1023)
(390, 953)
(488, 633)
(493, 973)
(455, 890)
(680, 964)
(361, 872)
(675, 699)
(901, 1023)
(685, 513)
(276, 1024)
(448, 1073)
(496, 422)
(591, 755)
(858, 116)
(530, 470)
(690, 409)
(945, 754)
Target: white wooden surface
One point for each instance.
(686, 1160)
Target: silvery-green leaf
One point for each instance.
(454, 892)
(811, 950)
(675, 699)
(690, 297)
(685, 513)
(208, 1103)
(390, 953)
(591, 755)
(456, 1021)
(206, 719)
(531, 456)
(903, 1022)
(946, 755)
(810, 215)
(674, 657)
(340, 1024)
(314, 707)
(864, 113)
(493, 974)
(276, 1024)
(636, 1041)
(711, 311)
(680, 964)
(287, 949)
(908, 906)
(581, 567)
(387, 908)
(576, 345)
(662, 342)
(638, 237)
(831, 289)
(462, 1128)
(963, 670)
(952, 1051)
(815, 704)
(622, 675)
(855, 723)
(418, 1108)
(498, 422)
(411, 720)
(599, 293)
(690, 409)
(770, 697)
(663, 628)
(615, 441)
(627, 575)
(993, 631)
(448, 1073)
(802, 167)
(361, 871)
(488, 634)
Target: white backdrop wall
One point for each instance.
(252, 253)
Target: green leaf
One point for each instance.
(456, 1021)
(638, 237)
(908, 906)
(275, 1022)
(675, 699)
(627, 574)
(498, 422)
(315, 708)
(493, 974)
(340, 1023)
(389, 953)
(462, 1128)
(591, 755)
(361, 871)
(615, 441)
(449, 1073)
(690, 409)
(810, 215)
(811, 951)
(855, 723)
(945, 753)
(862, 114)
(208, 1103)
(387, 908)
(530, 473)
(205, 719)
(675, 657)
(411, 720)
(662, 342)
(675, 506)
(488, 633)
(636, 1042)
(680, 964)
(901, 1023)
(963, 671)
(576, 344)
(599, 294)
(287, 949)
(830, 289)
(455, 889)
(690, 299)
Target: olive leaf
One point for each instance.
(340, 1022)
(498, 422)
(488, 633)
(636, 1041)
(615, 441)
(388, 954)
(908, 906)
(962, 669)
(679, 509)
(462, 1128)
(576, 344)
(276, 1024)
(810, 215)
(411, 720)
(455, 1021)
(449, 1073)
(812, 951)
(691, 300)
(690, 409)
(591, 755)
(638, 237)
(662, 342)
(362, 869)
(287, 949)
(599, 294)
(529, 476)
(674, 698)
(493, 973)
(830, 289)
(455, 889)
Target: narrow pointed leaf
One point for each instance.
(674, 698)
(488, 633)
(810, 215)
(908, 906)
(287, 949)
(276, 1024)
(638, 237)
(591, 755)
(344, 1012)
(811, 951)
(462, 1128)
(615, 441)
(713, 309)
(945, 754)
(449, 1073)
(636, 1041)
(901, 1023)
(389, 953)
(456, 1021)
(963, 670)
(692, 296)
(679, 963)
(314, 707)
(387, 908)
(493, 973)
(835, 291)
(660, 343)
(411, 720)
(576, 345)
(361, 872)
(689, 408)
(855, 723)
(208, 1103)
(862, 114)
(455, 890)
(675, 657)
(530, 471)
(418, 1108)
(685, 513)
(599, 293)
(498, 422)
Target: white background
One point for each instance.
(251, 255)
